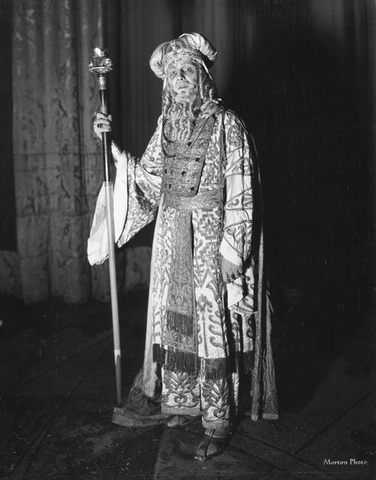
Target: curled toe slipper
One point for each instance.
(180, 421)
(213, 443)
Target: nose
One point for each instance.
(181, 75)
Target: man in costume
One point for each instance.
(208, 324)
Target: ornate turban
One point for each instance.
(191, 46)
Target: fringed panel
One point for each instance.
(178, 361)
(179, 322)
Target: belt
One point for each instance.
(203, 200)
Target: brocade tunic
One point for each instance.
(223, 228)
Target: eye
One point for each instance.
(172, 73)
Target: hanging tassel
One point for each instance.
(180, 323)
(179, 361)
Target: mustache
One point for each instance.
(185, 81)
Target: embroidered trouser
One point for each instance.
(187, 394)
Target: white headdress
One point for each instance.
(192, 46)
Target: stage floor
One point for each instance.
(57, 387)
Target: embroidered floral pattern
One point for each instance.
(216, 230)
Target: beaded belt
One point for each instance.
(203, 200)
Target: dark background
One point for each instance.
(301, 74)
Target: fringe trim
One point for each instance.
(180, 323)
(178, 361)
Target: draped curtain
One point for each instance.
(56, 159)
(299, 73)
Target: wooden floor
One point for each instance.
(57, 382)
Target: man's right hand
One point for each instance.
(101, 123)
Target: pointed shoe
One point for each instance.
(213, 443)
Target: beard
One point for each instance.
(182, 115)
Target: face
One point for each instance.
(182, 76)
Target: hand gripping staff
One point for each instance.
(100, 66)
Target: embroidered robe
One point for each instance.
(232, 330)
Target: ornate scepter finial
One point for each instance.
(100, 65)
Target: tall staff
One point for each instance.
(100, 66)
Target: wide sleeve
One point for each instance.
(144, 179)
(136, 196)
(238, 210)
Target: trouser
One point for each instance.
(187, 394)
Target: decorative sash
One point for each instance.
(181, 179)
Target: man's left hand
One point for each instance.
(230, 271)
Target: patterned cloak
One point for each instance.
(232, 319)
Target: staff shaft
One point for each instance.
(101, 66)
(106, 148)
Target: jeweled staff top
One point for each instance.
(100, 65)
